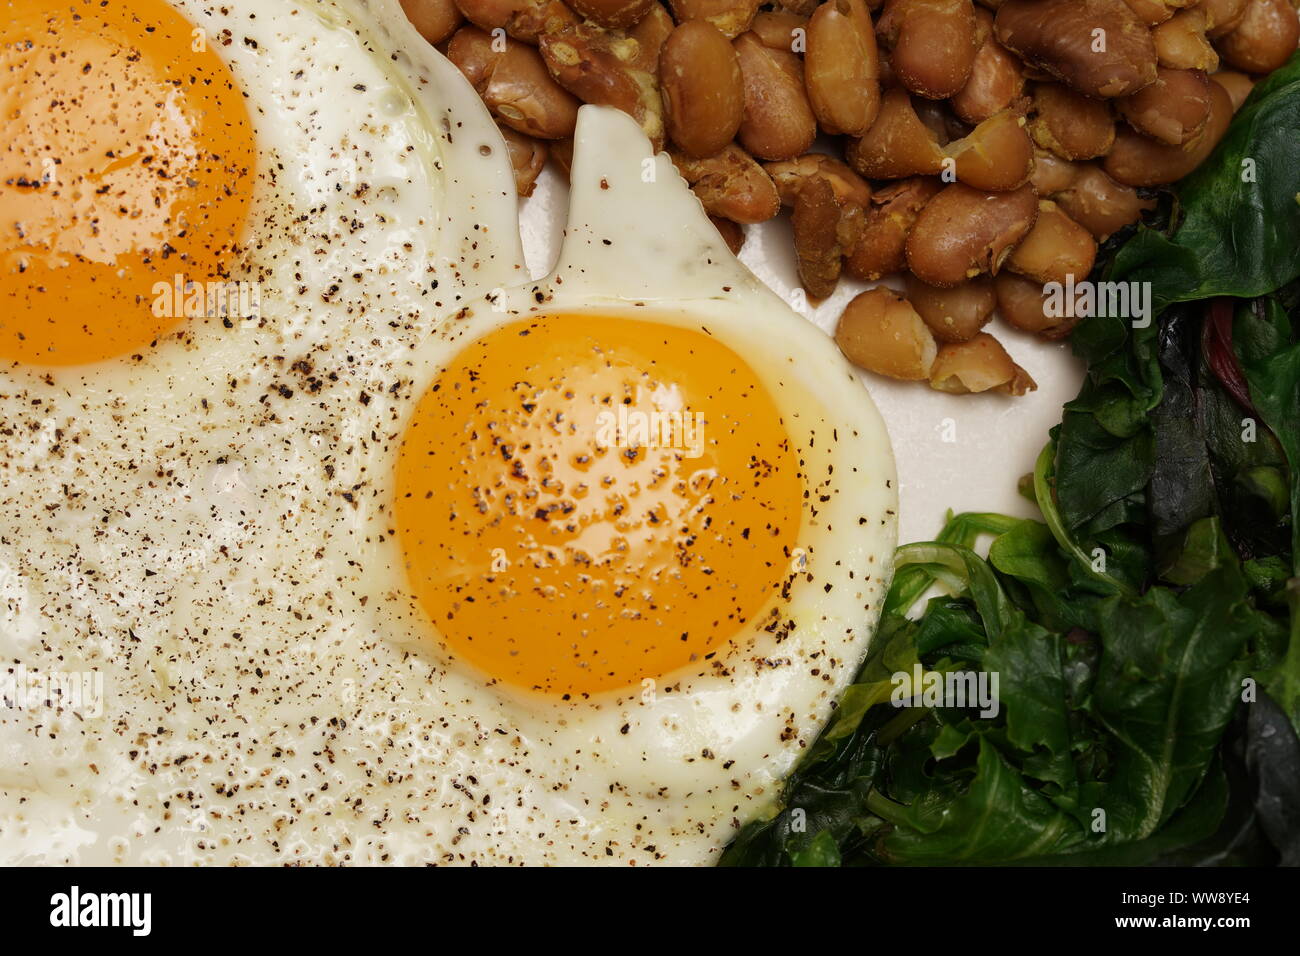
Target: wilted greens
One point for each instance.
(1145, 633)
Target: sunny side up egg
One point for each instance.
(420, 562)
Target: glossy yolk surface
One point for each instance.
(564, 539)
(126, 157)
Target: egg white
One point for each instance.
(210, 525)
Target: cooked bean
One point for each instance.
(778, 121)
(1181, 43)
(1024, 304)
(704, 96)
(1058, 36)
(730, 184)
(524, 20)
(514, 84)
(980, 365)
(777, 29)
(562, 153)
(527, 159)
(1222, 16)
(940, 120)
(997, 155)
(1237, 84)
(888, 220)
(996, 78)
(821, 233)
(1138, 160)
(732, 17)
(650, 33)
(1173, 109)
(881, 332)
(931, 44)
(956, 314)
(733, 234)
(1055, 249)
(791, 175)
(1264, 39)
(1152, 12)
(1051, 173)
(1099, 204)
(842, 68)
(898, 144)
(435, 20)
(1069, 124)
(804, 8)
(612, 14)
(596, 66)
(963, 232)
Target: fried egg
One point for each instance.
(418, 560)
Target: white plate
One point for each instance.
(964, 452)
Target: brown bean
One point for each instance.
(931, 44)
(1056, 249)
(650, 33)
(1237, 84)
(1138, 160)
(898, 144)
(997, 155)
(1051, 173)
(956, 314)
(596, 66)
(732, 17)
(821, 233)
(889, 218)
(1059, 36)
(842, 68)
(980, 365)
(1099, 204)
(1069, 124)
(1181, 43)
(940, 120)
(1024, 304)
(881, 332)
(781, 30)
(778, 121)
(435, 20)
(1152, 12)
(805, 8)
(527, 159)
(704, 96)
(730, 184)
(1264, 39)
(791, 175)
(514, 84)
(524, 20)
(1173, 109)
(733, 233)
(1222, 16)
(612, 14)
(963, 232)
(996, 79)
(562, 153)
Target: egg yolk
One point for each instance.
(587, 502)
(125, 155)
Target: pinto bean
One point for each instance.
(996, 80)
(791, 175)
(956, 314)
(1060, 37)
(889, 218)
(435, 20)
(1181, 43)
(997, 155)
(1098, 203)
(1069, 124)
(979, 365)
(524, 20)
(1173, 109)
(514, 84)
(778, 120)
(730, 184)
(898, 144)
(1055, 249)
(1138, 160)
(650, 33)
(842, 68)
(963, 232)
(732, 17)
(612, 14)
(881, 332)
(1237, 84)
(1264, 39)
(703, 94)
(931, 44)
(527, 159)
(1222, 16)
(779, 29)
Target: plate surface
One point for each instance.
(964, 452)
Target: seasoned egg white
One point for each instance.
(211, 525)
